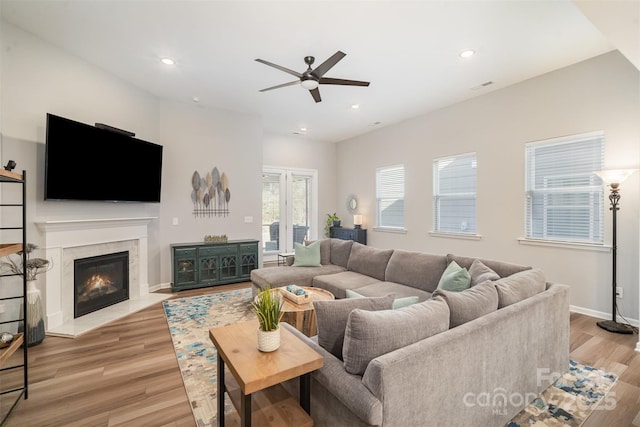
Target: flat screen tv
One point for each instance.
(84, 162)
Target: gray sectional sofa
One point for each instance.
(470, 358)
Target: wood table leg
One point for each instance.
(312, 323)
(220, 416)
(305, 392)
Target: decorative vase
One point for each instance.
(336, 223)
(34, 322)
(268, 340)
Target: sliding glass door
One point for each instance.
(288, 216)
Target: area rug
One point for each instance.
(566, 403)
(189, 321)
(569, 400)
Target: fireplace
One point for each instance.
(100, 281)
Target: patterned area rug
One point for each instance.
(189, 322)
(566, 403)
(570, 400)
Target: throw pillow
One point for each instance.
(397, 303)
(454, 278)
(332, 316)
(480, 273)
(519, 286)
(307, 256)
(469, 304)
(370, 334)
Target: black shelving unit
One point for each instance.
(12, 390)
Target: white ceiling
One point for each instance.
(407, 50)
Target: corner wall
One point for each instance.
(600, 93)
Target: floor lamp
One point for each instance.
(613, 178)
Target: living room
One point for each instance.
(598, 93)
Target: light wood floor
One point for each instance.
(126, 374)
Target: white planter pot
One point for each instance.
(269, 340)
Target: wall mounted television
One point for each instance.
(84, 162)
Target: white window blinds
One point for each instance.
(564, 198)
(390, 196)
(454, 194)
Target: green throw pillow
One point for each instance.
(397, 303)
(307, 256)
(455, 278)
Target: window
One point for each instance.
(454, 194)
(390, 197)
(564, 198)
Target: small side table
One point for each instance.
(257, 372)
(282, 257)
(295, 314)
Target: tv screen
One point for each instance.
(84, 162)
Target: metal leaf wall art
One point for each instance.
(210, 194)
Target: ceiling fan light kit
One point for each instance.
(312, 78)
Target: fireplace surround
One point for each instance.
(68, 240)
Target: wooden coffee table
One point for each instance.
(299, 315)
(258, 374)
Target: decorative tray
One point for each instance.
(296, 294)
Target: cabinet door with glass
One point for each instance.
(185, 272)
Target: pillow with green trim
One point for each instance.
(397, 303)
(307, 256)
(454, 278)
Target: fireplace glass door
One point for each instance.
(100, 281)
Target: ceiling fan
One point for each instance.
(311, 78)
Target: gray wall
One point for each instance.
(601, 93)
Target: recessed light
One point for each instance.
(196, 99)
(355, 106)
(467, 53)
(168, 61)
(303, 129)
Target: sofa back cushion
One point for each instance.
(368, 260)
(503, 269)
(340, 250)
(469, 304)
(519, 286)
(415, 269)
(332, 316)
(480, 273)
(370, 334)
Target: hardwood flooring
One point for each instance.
(126, 374)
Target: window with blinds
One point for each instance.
(454, 194)
(564, 198)
(390, 197)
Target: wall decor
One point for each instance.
(215, 238)
(210, 194)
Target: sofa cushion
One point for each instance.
(480, 273)
(397, 303)
(383, 288)
(502, 268)
(332, 316)
(519, 286)
(340, 250)
(307, 255)
(454, 278)
(338, 283)
(325, 250)
(370, 334)
(369, 260)
(469, 304)
(419, 270)
(282, 276)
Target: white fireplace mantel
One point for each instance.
(76, 236)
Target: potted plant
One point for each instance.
(333, 220)
(268, 308)
(34, 267)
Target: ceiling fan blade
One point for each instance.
(330, 81)
(295, 82)
(321, 69)
(316, 94)
(279, 67)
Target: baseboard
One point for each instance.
(602, 315)
(159, 286)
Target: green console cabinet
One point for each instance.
(198, 265)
